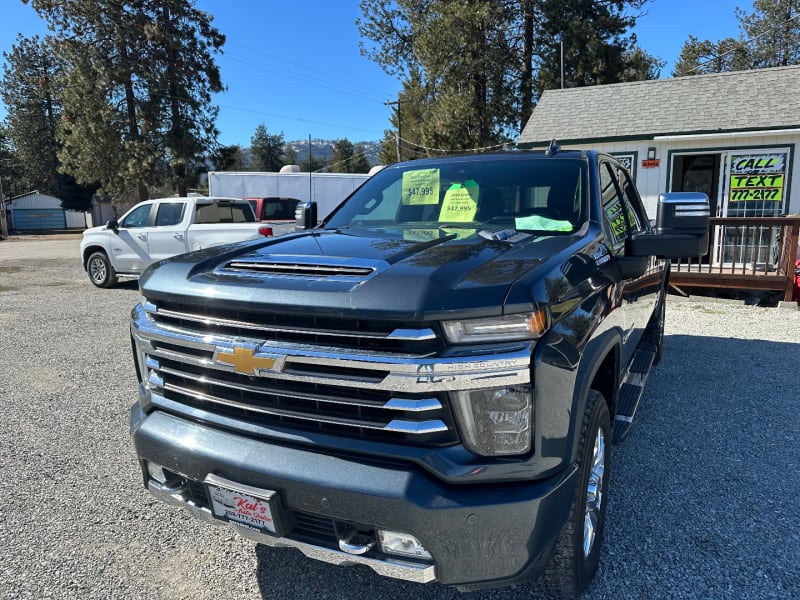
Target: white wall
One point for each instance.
(326, 189)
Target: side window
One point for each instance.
(137, 218)
(622, 211)
(169, 213)
(613, 209)
(224, 212)
(638, 221)
(279, 209)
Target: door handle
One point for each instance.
(177, 236)
(142, 236)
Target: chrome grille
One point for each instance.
(262, 375)
(402, 338)
(305, 393)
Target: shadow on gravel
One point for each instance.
(125, 284)
(286, 573)
(703, 491)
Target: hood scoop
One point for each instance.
(300, 268)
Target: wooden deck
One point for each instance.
(745, 253)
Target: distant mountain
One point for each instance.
(323, 150)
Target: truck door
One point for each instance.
(623, 215)
(129, 245)
(167, 236)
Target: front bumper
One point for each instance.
(477, 534)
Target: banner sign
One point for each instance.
(757, 177)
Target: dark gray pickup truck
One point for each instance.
(427, 382)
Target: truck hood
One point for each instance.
(94, 230)
(419, 274)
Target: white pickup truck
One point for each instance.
(157, 229)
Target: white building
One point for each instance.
(37, 211)
(732, 135)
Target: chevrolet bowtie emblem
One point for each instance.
(246, 362)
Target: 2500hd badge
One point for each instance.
(454, 366)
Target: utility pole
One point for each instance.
(397, 137)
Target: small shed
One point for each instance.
(38, 211)
(733, 136)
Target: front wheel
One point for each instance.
(101, 273)
(577, 553)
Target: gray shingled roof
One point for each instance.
(722, 102)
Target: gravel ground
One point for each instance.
(703, 501)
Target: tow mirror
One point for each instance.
(306, 215)
(681, 228)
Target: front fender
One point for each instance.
(566, 361)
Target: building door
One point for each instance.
(698, 173)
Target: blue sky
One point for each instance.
(296, 66)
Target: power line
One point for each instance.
(358, 93)
(412, 145)
(322, 77)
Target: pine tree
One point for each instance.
(360, 162)
(472, 69)
(137, 105)
(768, 37)
(267, 150)
(227, 158)
(598, 48)
(773, 29)
(11, 180)
(30, 90)
(342, 156)
(700, 57)
(290, 155)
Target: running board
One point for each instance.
(630, 392)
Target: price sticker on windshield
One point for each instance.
(420, 187)
(459, 204)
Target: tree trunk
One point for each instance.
(526, 79)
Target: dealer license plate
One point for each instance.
(241, 505)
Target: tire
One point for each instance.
(577, 552)
(100, 271)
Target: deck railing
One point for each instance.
(755, 253)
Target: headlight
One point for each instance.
(495, 421)
(522, 326)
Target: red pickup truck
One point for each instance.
(277, 212)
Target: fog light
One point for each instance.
(156, 472)
(496, 421)
(402, 544)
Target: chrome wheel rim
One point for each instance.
(97, 270)
(594, 493)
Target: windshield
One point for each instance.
(528, 194)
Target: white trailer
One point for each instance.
(326, 189)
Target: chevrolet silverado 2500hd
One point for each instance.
(157, 229)
(428, 382)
